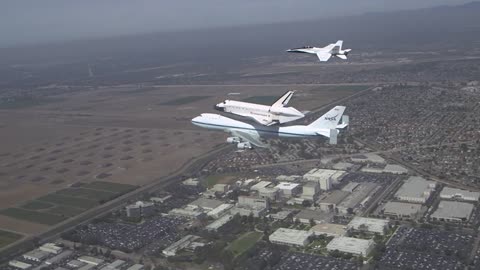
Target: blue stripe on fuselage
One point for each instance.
(258, 130)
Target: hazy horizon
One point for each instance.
(27, 22)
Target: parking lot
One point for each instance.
(301, 261)
(416, 248)
(127, 237)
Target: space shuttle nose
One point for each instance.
(218, 108)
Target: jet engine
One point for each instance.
(233, 140)
(244, 145)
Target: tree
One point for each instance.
(312, 222)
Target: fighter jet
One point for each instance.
(278, 113)
(324, 53)
(245, 135)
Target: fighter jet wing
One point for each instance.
(323, 56)
(251, 137)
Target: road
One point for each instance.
(191, 166)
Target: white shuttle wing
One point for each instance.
(323, 56)
(248, 136)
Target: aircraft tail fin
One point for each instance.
(329, 120)
(284, 99)
(337, 47)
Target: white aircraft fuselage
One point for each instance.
(324, 53)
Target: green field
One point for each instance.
(64, 211)
(32, 216)
(36, 205)
(339, 88)
(69, 201)
(87, 193)
(265, 100)
(108, 186)
(7, 238)
(183, 100)
(244, 243)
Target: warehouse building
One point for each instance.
(371, 225)
(328, 202)
(87, 267)
(449, 193)
(306, 215)
(453, 211)
(91, 260)
(260, 185)
(188, 212)
(19, 264)
(252, 201)
(191, 182)
(220, 210)
(329, 229)
(51, 248)
(269, 193)
(59, 258)
(290, 237)
(357, 199)
(351, 245)
(179, 245)
(282, 215)
(36, 255)
(75, 264)
(288, 189)
(217, 224)
(288, 178)
(368, 158)
(117, 264)
(401, 209)
(416, 190)
(136, 267)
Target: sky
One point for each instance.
(24, 22)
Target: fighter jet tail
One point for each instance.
(329, 120)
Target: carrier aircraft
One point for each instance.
(245, 135)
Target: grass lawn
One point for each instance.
(211, 180)
(109, 186)
(69, 201)
(7, 238)
(244, 243)
(36, 205)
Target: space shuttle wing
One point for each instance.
(248, 136)
(323, 56)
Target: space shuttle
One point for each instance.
(277, 113)
(323, 54)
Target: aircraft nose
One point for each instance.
(218, 107)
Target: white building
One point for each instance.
(179, 245)
(188, 212)
(326, 178)
(136, 267)
(117, 264)
(260, 185)
(372, 225)
(36, 255)
(206, 204)
(91, 260)
(459, 194)
(220, 210)
(59, 258)
(288, 189)
(252, 201)
(191, 182)
(217, 224)
(221, 188)
(140, 208)
(51, 248)
(351, 245)
(269, 193)
(310, 191)
(306, 216)
(19, 264)
(75, 263)
(290, 237)
(453, 211)
(416, 190)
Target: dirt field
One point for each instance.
(122, 134)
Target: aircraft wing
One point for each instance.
(251, 137)
(323, 56)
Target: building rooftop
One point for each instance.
(455, 193)
(374, 158)
(329, 229)
(222, 208)
(350, 187)
(319, 174)
(343, 243)
(315, 215)
(453, 210)
(260, 185)
(401, 208)
(373, 224)
(90, 260)
(415, 187)
(290, 235)
(361, 192)
(206, 203)
(334, 197)
(287, 185)
(36, 254)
